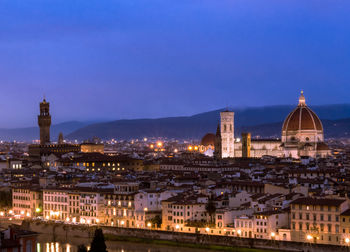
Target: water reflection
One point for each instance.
(44, 246)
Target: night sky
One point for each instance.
(97, 60)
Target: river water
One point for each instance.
(46, 244)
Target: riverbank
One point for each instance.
(181, 244)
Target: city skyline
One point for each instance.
(156, 59)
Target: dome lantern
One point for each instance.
(302, 99)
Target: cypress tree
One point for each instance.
(98, 243)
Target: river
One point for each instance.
(46, 244)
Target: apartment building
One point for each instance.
(27, 201)
(318, 220)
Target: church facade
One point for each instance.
(302, 135)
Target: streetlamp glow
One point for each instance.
(347, 240)
(149, 224)
(207, 229)
(309, 237)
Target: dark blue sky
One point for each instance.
(116, 59)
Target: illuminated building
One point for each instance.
(302, 135)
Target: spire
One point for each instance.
(302, 99)
(218, 130)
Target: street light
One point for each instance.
(347, 240)
(207, 229)
(149, 224)
(309, 237)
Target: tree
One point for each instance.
(156, 221)
(211, 208)
(82, 248)
(98, 243)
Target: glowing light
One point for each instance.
(175, 150)
(145, 139)
(47, 217)
(151, 146)
(207, 229)
(273, 234)
(309, 237)
(37, 210)
(122, 222)
(149, 224)
(10, 212)
(22, 212)
(145, 209)
(190, 148)
(1, 213)
(67, 219)
(97, 220)
(239, 231)
(88, 221)
(74, 219)
(177, 227)
(159, 144)
(195, 147)
(347, 240)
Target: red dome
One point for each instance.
(302, 118)
(208, 139)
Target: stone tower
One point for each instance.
(246, 145)
(227, 133)
(44, 122)
(60, 138)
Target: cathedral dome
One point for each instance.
(302, 118)
(302, 125)
(208, 139)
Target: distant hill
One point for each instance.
(262, 121)
(31, 133)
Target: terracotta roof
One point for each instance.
(208, 139)
(318, 201)
(302, 118)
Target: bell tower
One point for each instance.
(227, 134)
(44, 122)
